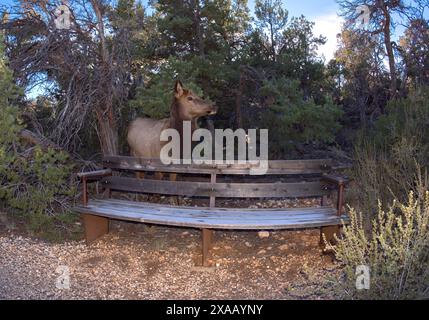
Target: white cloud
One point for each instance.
(328, 25)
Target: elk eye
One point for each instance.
(190, 98)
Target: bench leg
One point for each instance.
(207, 238)
(95, 227)
(329, 233)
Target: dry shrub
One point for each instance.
(396, 251)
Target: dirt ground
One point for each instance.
(135, 261)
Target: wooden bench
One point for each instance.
(296, 179)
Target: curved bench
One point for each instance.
(307, 178)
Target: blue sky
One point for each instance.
(322, 12)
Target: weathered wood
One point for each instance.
(335, 179)
(95, 227)
(220, 190)
(329, 233)
(212, 198)
(208, 213)
(227, 211)
(286, 167)
(206, 243)
(248, 219)
(39, 140)
(308, 179)
(95, 174)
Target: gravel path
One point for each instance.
(137, 262)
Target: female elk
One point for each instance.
(144, 133)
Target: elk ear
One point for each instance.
(178, 89)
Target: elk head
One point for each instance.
(188, 106)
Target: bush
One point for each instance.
(292, 120)
(396, 252)
(388, 157)
(37, 183)
(32, 181)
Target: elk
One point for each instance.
(144, 133)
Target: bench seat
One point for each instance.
(214, 218)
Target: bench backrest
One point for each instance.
(305, 172)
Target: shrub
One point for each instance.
(37, 183)
(388, 157)
(396, 252)
(292, 119)
(32, 180)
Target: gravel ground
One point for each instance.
(135, 261)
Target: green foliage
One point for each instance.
(406, 119)
(35, 184)
(396, 252)
(154, 100)
(291, 119)
(388, 157)
(31, 180)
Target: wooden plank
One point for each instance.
(212, 198)
(242, 224)
(94, 174)
(214, 220)
(216, 212)
(206, 237)
(282, 167)
(126, 203)
(255, 216)
(219, 190)
(95, 227)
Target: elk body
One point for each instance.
(144, 133)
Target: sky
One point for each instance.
(323, 13)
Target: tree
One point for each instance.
(414, 49)
(88, 65)
(200, 42)
(381, 23)
(271, 19)
(364, 80)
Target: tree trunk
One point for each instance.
(107, 133)
(389, 50)
(199, 32)
(238, 102)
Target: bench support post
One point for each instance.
(340, 200)
(207, 238)
(95, 227)
(329, 232)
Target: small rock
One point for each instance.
(203, 269)
(248, 244)
(262, 251)
(263, 234)
(284, 247)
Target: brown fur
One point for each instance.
(144, 133)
